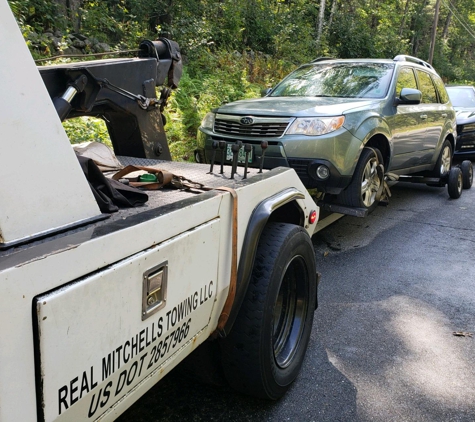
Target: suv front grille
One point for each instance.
(260, 128)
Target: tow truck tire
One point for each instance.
(364, 186)
(263, 353)
(455, 183)
(467, 174)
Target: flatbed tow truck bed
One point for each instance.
(164, 200)
(198, 173)
(160, 201)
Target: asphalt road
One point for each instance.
(395, 287)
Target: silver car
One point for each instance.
(336, 121)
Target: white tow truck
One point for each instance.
(96, 306)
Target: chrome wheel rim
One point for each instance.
(370, 183)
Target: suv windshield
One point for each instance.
(348, 80)
(462, 97)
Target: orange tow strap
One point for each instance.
(223, 318)
(165, 178)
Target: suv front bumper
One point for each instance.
(307, 171)
(275, 156)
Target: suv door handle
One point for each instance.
(423, 116)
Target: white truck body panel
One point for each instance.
(72, 303)
(36, 187)
(100, 316)
(63, 260)
(21, 280)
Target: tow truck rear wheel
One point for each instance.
(455, 183)
(265, 350)
(467, 173)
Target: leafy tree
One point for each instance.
(233, 47)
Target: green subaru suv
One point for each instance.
(337, 121)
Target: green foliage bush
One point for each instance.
(87, 129)
(233, 48)
(111, 22)
(37, 15)
(209, 81)
(34, 18)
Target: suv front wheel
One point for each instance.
(363, 190)
(444, 162)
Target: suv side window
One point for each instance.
(443, 96)
(405, 79)
(429, 95)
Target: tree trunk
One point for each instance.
(332, 13)
(321, 16)
(70, 10)
(74, 13)
(415, 45)
(434, 31)
(161, 16)
(417, 28)
(374, 21)
(445, 34)
(403, 21)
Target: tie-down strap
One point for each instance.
(223, 318)
(164, 178)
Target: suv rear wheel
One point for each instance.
(444, 162)
(363, 190)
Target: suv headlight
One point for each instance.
(208, 121)
(312, 126)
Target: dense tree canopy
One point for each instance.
(234, 47)
(291, 30)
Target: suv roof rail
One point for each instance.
(321, 59)
(403, 57)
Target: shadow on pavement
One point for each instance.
(311, 398)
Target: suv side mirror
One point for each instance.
(266, 92)
(409, 96)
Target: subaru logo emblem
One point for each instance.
(247, 120)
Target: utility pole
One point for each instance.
(434, 31)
